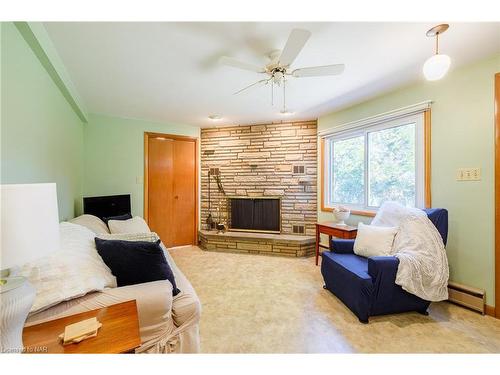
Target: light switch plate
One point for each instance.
(139, 180)
(468, 174)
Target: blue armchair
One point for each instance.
(367, 285)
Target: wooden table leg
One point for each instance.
(317, 244)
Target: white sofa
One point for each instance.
(167, 324)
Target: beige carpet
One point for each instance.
(262, 304)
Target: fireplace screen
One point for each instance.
(255, 214)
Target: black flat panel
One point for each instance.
(255, 214)
(111, 205)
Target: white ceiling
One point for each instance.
(168, 72)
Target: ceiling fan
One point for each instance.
(278, 69)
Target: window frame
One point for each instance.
(422, 162)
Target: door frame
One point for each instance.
(496, 312)
(174, 137)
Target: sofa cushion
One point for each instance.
(91, 222)
(135, 262)
(133, 225)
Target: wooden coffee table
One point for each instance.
(333, 230)
(119, 332)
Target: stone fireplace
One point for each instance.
(260, 161)
(266, 191)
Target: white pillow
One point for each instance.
(134, 225)
(374, 241)
(91, 222)
(73, 271)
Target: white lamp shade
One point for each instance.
(30, 223)
(436, 67)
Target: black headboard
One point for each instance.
(111, 205)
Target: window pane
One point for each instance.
(348, 170)
(391, 166)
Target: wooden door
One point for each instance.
(170, 188)
(184, 192)
(495, 311)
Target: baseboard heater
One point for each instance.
(472, 298)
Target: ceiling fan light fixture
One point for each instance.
(279, 68)
(436, 66)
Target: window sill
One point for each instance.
(353, 212)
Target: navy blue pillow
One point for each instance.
(135, 262)
(117, 217)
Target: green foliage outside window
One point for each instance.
(348, 170)
(391, 168)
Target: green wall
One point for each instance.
(44, 140)
(41, 136)
(114, 155)
(462, 136)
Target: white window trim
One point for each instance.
(380, 118)
(414, 113)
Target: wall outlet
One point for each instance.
(468, 174)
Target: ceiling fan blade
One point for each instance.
(294, 44)
(258, 83)
(229, 61)
(317, 71)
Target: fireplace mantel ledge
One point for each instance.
(296, 239)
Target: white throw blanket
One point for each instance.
(423, 265)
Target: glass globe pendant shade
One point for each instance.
(436, 67)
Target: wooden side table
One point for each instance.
(333, 230)
(119, 332)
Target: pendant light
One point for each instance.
(437, 65)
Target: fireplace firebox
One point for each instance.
(249, 214)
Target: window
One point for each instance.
(368, 165)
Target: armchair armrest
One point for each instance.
(340, 246)
(384, 267)
(383, 271)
